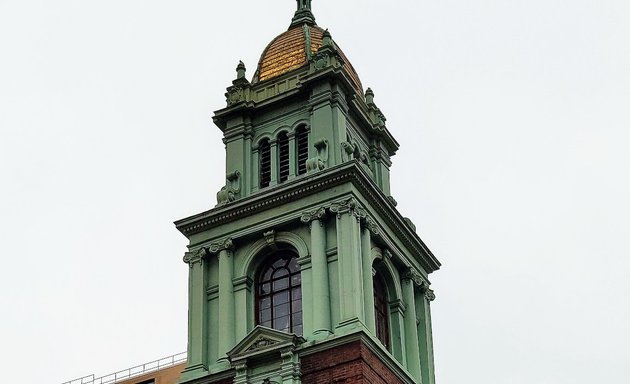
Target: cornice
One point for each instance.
(301, 187)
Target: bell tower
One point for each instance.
(305, 271)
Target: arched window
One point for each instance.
(265, 163)
(279, 294)
(381, 311)
(301, 142)
(283, 157)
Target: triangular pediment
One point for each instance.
(261, 341)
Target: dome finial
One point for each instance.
(303, 15)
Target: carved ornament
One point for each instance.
(225, 245)
(429, 294)
(350, 206)
(194, 257)
(317, 214)
(260, 343)
(370, 225)
(231, 190)
(270, 238)
(414, 276)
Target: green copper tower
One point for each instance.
(305, 271)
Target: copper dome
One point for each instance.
(287, 52)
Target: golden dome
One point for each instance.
(287, 52)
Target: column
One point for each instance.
(368, 284)
(247, 168)
(411, 332)
(227, 316)
(319, 271)
(197, 308)
(274, 162)
(293, 161)
(349, 265)
(255, 175)
(425, 336)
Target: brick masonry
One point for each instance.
(350, 363)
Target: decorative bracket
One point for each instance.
(270, 237)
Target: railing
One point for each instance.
(131, 372)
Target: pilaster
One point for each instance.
(411, 278)
(274, 162)
(425, 336)
(319, 267)
(368, 227)
(227, 336)
(197, 311)
(349, 213)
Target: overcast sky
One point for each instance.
(514, 123)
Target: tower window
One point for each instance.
(265, 163)
(381, 311)
(283, 157)
(279, 294)
(301, 141)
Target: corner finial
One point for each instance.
(304, 14)
(326, 39)
(240, 70)
(369, 96)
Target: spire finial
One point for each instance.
(304, 14)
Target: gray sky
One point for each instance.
(514, 121)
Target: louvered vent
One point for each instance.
(283, 157)
(301, 138)
(265, 164)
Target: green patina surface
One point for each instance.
(338, 217)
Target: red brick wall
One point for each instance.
(351, 363)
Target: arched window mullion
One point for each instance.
(284, 312)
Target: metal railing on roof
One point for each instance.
(132, 372)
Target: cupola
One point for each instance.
(294, 48)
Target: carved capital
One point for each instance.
(193, 257)
(225, 245)
(350, 206)
(414, 276)
(317, 214)
(370, 224)
(426, 291)
(429, 294)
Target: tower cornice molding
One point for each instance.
(295, 189)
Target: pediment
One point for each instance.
(261, 341)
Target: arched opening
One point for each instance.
(279, 293)
(264, 150)
(283, 157)
(381, 312)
